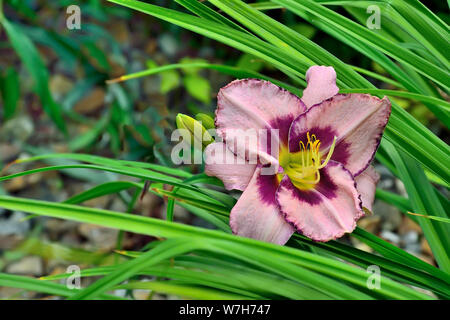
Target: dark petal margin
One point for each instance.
(255, 104)
(365, 115)
(326, 213)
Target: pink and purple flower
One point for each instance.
(325, 144)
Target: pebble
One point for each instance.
(390, 236)
(168, 44)
(386, 184)
(13, 225)
(411, 237)
(390, 216)
(408, 225)
(8, 152)
(31, 265)
(118, 206)
(120, 32)
(99, 237)
(400, 187)
(413, 248)
(18, 129)
(92, 102)
(370, 223)
(60, 85)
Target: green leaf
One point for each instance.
(284, 261)
(206, 12)
(305, 29)
(391, 267)
(88, 138)
(102, 190)
(441, 219)
(240, 40)
(438, 106)
(108, 162)
(400, 202)
(233, 71)
(97, 55)
(33, 62)
(190, 68)
(265, 5)
(57, 251)
(392, 252)
(219, 273)
(198, 87)
(170, 79)
(182, 289)
(425, 201)
(364, 35)
(249, 62)
(26, 283)
(205, 120)
(10, 91)
(164, 250)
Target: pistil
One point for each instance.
(303, 167)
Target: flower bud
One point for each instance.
(193, 131)
(206, 120)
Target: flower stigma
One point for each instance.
(303, 167)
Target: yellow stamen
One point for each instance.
(303, 166)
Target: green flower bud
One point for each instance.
(206, 120)
(193, 131)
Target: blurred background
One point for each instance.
(54, 98)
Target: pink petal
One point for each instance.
(366, 183)
(220, 162)
(255, 104)
(256, 213)
(357, 121)
(325, 212)
(321, 85)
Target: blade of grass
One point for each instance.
(392, 252)
(233, 71)
(31, 284)
(183, 289)
(107, 162)
(424, 200)
(221, 242)
(364, 35)
(166, 249)
(390, 268)
(33, 62)
(437, 106)
(102, 190)
(10, 92)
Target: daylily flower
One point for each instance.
(323, 177)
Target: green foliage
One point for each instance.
(198, 87)
(397, 264)
(33, 62)
(10, 92)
